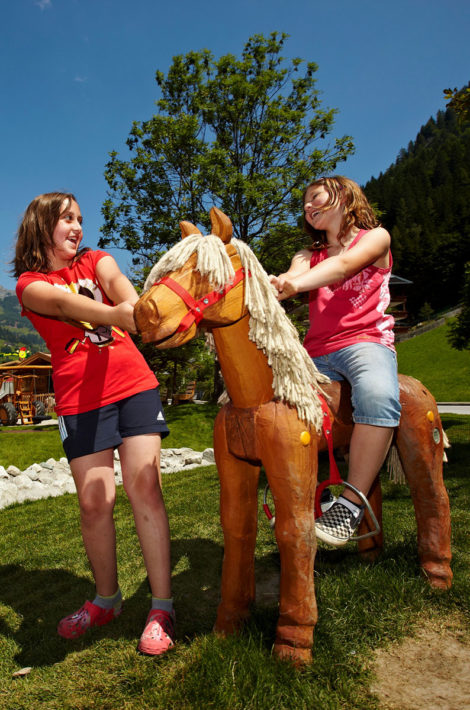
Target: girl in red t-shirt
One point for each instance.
(107, 398)
(346, 272)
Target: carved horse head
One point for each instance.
(178, 300)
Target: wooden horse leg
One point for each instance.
(238, 514)
(291, 467)
(420, 447)
(370, 547)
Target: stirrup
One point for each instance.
(271, 518)
(320, 487)
(335, 477)
(368, 507)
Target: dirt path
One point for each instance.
(429, 671)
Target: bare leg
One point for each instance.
(369, 446)
(94, 479)
(140, 463)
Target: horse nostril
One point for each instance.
(146, 312)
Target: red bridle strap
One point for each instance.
(196, 308)
(335, 477)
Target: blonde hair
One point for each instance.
(357, 210)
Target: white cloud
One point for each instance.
(81, 79)
(43, 4)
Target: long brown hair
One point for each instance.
(34, 236)
(357, 210)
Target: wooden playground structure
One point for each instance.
(26, 393)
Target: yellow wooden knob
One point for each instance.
(430, 416)
(305, 438)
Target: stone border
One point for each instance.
(53, 478)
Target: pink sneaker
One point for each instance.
(159, 633)
(75, 625)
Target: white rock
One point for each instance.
(62, 481)
(61, 470)
(36, 492)
(208, 456)
(192, 458)
(46, 477)
(53, 478)
(32, 472)
(23, 482)
(69, 486)
(7, 487)
(52, 492)
(8, 498)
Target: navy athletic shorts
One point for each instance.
(106, 427)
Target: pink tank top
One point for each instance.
(350, 311)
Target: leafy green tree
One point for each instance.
(426, 312)
(459, 329)
(242, 134)
(459, 101)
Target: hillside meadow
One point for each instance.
(442, 369)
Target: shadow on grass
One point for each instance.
(196, 589)
(39, 598)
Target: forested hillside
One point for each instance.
(424, 198)
(15, 332)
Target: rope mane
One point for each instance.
(295, 377)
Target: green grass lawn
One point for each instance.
(443, 370)
(44, 574)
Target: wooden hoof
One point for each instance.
(370, 555)
(228, 623)
(298, 656)
(439, 576)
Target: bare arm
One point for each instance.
(371, 248)
(117, 287)
(300, 264)
(48, 300)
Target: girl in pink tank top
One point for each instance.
(346, 272)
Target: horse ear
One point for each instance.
(221, 225)
(188, 228)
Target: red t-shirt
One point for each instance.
(351, 311)
(89, 368)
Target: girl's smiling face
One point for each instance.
(315, 200)
(67, 235)
(323, 211)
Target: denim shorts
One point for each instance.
(371, 370)
(106, 427)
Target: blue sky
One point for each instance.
(76, 73)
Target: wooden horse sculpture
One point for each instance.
(274, 419)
